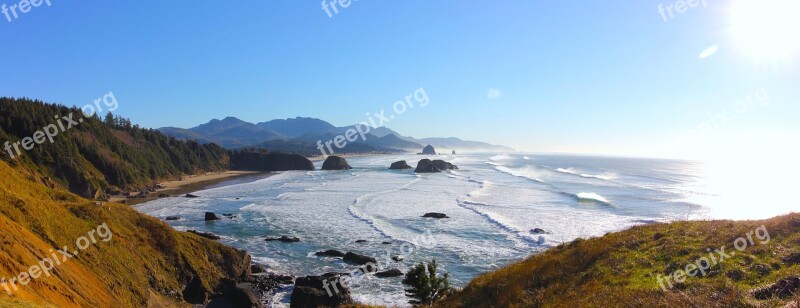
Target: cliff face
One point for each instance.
(135, 260)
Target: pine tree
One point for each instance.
(426, 288)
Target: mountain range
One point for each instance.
(301, 136)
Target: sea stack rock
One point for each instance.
(210, 216)
(428, 150)
(400, 165)
(428, 166)
(443, 165)
(335, 163)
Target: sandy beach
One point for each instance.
(192, 183)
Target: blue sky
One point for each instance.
(572, 76)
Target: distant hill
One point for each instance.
(229, 132)
(300, 136)
(297, 127)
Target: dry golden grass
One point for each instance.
(620, 269)
(146, 263)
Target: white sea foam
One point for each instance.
(493, 201)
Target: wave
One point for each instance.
(500, 157)
(588, 197)
(485, 185)
(573, 171)
(371, 221)
(528, 173)
(365, 218)
(497, 220)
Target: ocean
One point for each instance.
(493, 201)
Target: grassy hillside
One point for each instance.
(145, 263)
(99, 153)
(621, 269)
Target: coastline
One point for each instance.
(193, 183)
(345, 156)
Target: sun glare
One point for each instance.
(766, 30)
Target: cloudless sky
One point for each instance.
(568, 76)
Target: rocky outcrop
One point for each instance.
(269, 161)
(210, 216)
(389, 273)
(359, 259)
(320, 291)
(191, 196)
(538, 231)
(330, 253)
(435, 215)
(428, 150)
(170, 218)
(400, 165)
(428, 166)
(335, 163)
(283, 239)
(210, 236)
(233, 294)
(443, 165)
(195, 292)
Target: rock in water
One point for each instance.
(400, 165)
(435, 215)
(443, 165)
(210, 216)
(283, 239)
(426, 166)
(330, 253)
(428, 150)
(335, 163)
(538, 231)
(389, 273)
(359, 259)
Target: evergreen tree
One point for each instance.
(426, 288)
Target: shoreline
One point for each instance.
(193, 183)
(346, 156)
